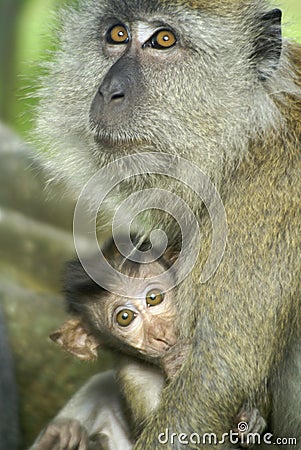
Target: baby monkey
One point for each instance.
(142, 328)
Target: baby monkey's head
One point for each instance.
(141, 321)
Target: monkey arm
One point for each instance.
(247, 312)
(141, 385)
(94, 412)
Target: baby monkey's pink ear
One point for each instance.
(74, 338)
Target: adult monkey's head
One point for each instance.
(192, 78)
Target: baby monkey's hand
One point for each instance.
(174, 358)
(63, 434)
(249, 424)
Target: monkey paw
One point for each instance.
(63, 434)
(174, 358)
(249, 422)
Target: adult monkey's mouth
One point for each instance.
(110, 138)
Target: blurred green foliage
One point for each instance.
(25, 39)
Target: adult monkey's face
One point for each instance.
(184, 78)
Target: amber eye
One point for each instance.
(118, 34)
(163, 39)
(154, 297)
(125, 317)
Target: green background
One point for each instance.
(25, 36)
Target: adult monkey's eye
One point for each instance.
(125, 317)
(154, 297)
(163, 39)
(118, 34)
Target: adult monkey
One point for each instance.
(214, 83)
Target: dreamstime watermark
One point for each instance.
(135, 200)
(239, 437)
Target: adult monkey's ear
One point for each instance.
(268, 44)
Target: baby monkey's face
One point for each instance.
(146, 323)
(141, 317)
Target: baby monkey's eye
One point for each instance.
(125, 317)
(118, 34)
(163, 39)
(154, 297)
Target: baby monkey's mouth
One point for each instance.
(164, 342)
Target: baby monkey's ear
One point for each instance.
(74, 338)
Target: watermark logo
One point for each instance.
(232, 437)
(134, 200)
(242, 427)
